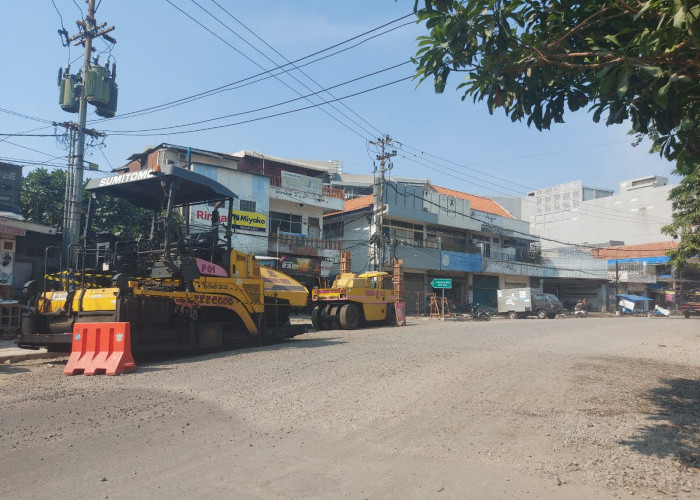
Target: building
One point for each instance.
(10, 187)
(575, 214)
(645, 270)
(23, 254)
(278, 215)
(442, 233)
(626, 226)
(22, 243)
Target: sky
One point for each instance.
(169, 50)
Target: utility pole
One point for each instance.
(384, 165)
(88, 29)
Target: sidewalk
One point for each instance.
(10, 353)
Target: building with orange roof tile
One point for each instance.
(443, 233)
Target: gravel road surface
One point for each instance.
(564, 408)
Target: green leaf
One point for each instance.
(623, 83)
(642, 10)
(654, 71)
(613, 39)
(679, 18)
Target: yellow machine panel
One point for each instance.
(53, 301)
(96, 299)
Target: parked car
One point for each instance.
(523, 302)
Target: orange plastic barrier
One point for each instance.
(101, 348)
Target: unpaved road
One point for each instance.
(565, 408)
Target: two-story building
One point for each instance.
(442, 233)
(278, 215)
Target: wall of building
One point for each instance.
(10, 187)
(248, 187)
(633, 217)
(427, 206)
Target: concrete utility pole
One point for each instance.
(384, 143)
(89, 29)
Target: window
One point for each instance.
(406, 232)
(247, 206)
(285, 223)
(334, 230)
(314, 221)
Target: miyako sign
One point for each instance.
(251, 221)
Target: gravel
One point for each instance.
(565, 408)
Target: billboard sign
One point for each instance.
(252, 221)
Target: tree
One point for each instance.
(42, 196)
(42, 201)
(625, 60)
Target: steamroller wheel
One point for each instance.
(326, 320)
(349, 317)
(334, 317)
(390, 315)
(316, 318)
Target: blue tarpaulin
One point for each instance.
(633, 298)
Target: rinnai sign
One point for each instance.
(205, 216)
(128, 177)
(250, 220)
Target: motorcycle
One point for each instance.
(580, 310)
(478, 313)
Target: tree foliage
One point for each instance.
(634, 60)
(42, 201)
(42, 197)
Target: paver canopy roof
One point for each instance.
(143, 188)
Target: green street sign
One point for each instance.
(442, 283)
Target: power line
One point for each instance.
(267, 116)
(264, 107)
(242, 82)
(22, 115)
(288, 73)
(294, 66)
(509, 231)
(603, 213)
(260, 65)
(27, 135)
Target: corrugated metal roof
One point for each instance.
(321, 166)
(368, 180)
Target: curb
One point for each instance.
(16, 357)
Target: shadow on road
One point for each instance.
(12, 370)
(158, 361)
(675, 428)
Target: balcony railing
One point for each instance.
(327, 191)
(522, 255)
(300, 245)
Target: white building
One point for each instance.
(575, 214)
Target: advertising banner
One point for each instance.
(458, 261)
(7, 262)
(251, 221)
(300, 182)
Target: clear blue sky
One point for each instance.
(162, 55)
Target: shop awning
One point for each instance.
(633, 298)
